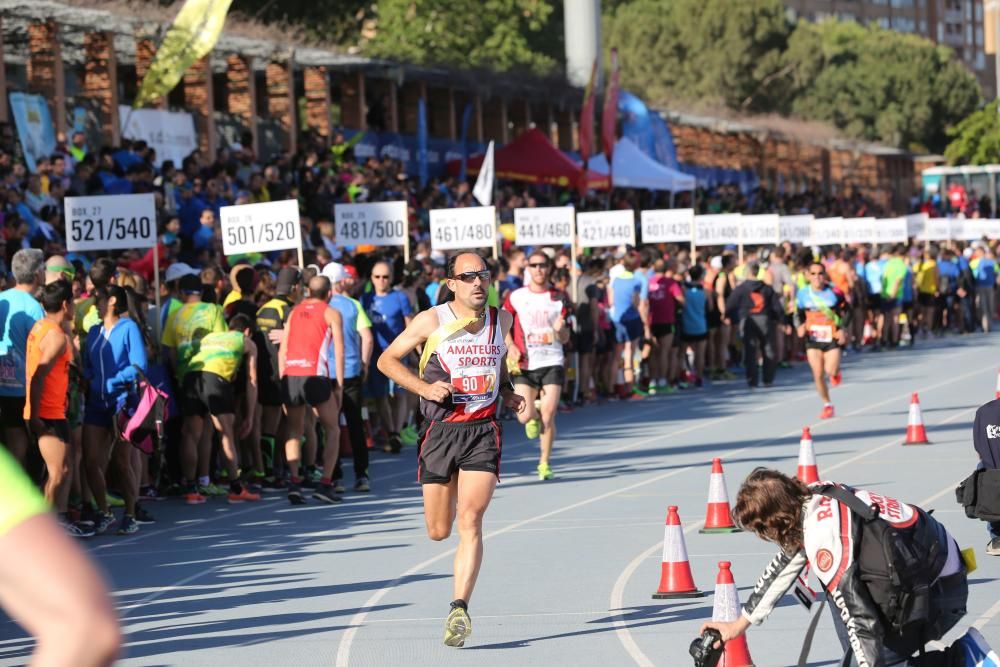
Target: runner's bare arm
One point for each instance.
(389, 362)
(336, 322)
(510, 399)
(250, 350)
(367, 345)
(283, 349)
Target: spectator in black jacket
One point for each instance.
(986, 437)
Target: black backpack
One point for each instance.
(896, 565)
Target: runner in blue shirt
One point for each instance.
(390, 312)
(18, 313)
(357, 352)
(624, 297)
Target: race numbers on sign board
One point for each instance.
(378, 223)
(890, 230)
(720, 229)
(827, 231)
(260, 227)
(670, 225)
(552, 225)
(760, 229)
(795, 228)
(598, 229)
(111, 222)
(457, 228)
(859, 230)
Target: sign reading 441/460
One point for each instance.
(110, 222)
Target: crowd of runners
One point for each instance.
(273, 370)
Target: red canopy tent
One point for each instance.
(534, 159)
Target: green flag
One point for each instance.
(192, 36)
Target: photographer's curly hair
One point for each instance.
(770, 505)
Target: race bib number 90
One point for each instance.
(472, 384)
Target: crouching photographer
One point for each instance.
(895, 578)
(979, 494)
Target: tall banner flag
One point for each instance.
(587, 128)
(609, 115)
(422, 141)
(466, 118)
(483, 190)
(34, 126)
(192, 36)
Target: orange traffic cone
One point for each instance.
(726, 607)
(718, 518)
(915, 433)
(675, 576)
(807, 473)
(998, 384)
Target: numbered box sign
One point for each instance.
(110, 222)
(260, 227)
(936, 229)
(827, 231)
(720, 229)
(859, 230)
(378, 223)
(458, 228)
(598, 229)
(915, 223)
(552, 225)
(669, 225)
(760, 229)
(795, 228)
(890, 230)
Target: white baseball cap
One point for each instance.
(178, 270)
(336, 272)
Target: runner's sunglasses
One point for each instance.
(470, 276)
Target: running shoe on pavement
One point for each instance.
(193, 497)
(211, 490)
(827, 412)
(545, 472)
(325, 493)
(975, 650)
(103, 521)
(142, 516)
(993, 547)
(393, 445)
(457, 627)
(239, 493)
(361, 485)
(150, 493)
(75, 528)
(408, 435)
(275, 484)
(129, 525)
(835, 380)
(338, 486)
(532, 429)
(114, 500)
(295, 494)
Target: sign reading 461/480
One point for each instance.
(110, 222)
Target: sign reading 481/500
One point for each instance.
(110, 222)
(377, 223)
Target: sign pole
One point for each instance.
(156, 292)
(573, 278)
(406, 239)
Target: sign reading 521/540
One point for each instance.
(377, 223)
(260, 227)
(110, 222)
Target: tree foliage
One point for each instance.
(976, 140)
(872, 83)
(498, 34)
(342, 22)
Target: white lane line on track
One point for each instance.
(618, 591)
(347, 639)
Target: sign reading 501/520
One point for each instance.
(260, 227)
(110, 222)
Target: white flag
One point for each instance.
(483, 191)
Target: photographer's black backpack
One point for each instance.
(897, 565)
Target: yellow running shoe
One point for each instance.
(544, 472)
(457, 627)
(532, 429)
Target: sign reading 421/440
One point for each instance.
(110, 222)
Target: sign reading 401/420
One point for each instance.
(377, 223)
(263, 227)
(110, 222)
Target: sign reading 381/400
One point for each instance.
(110, 222)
